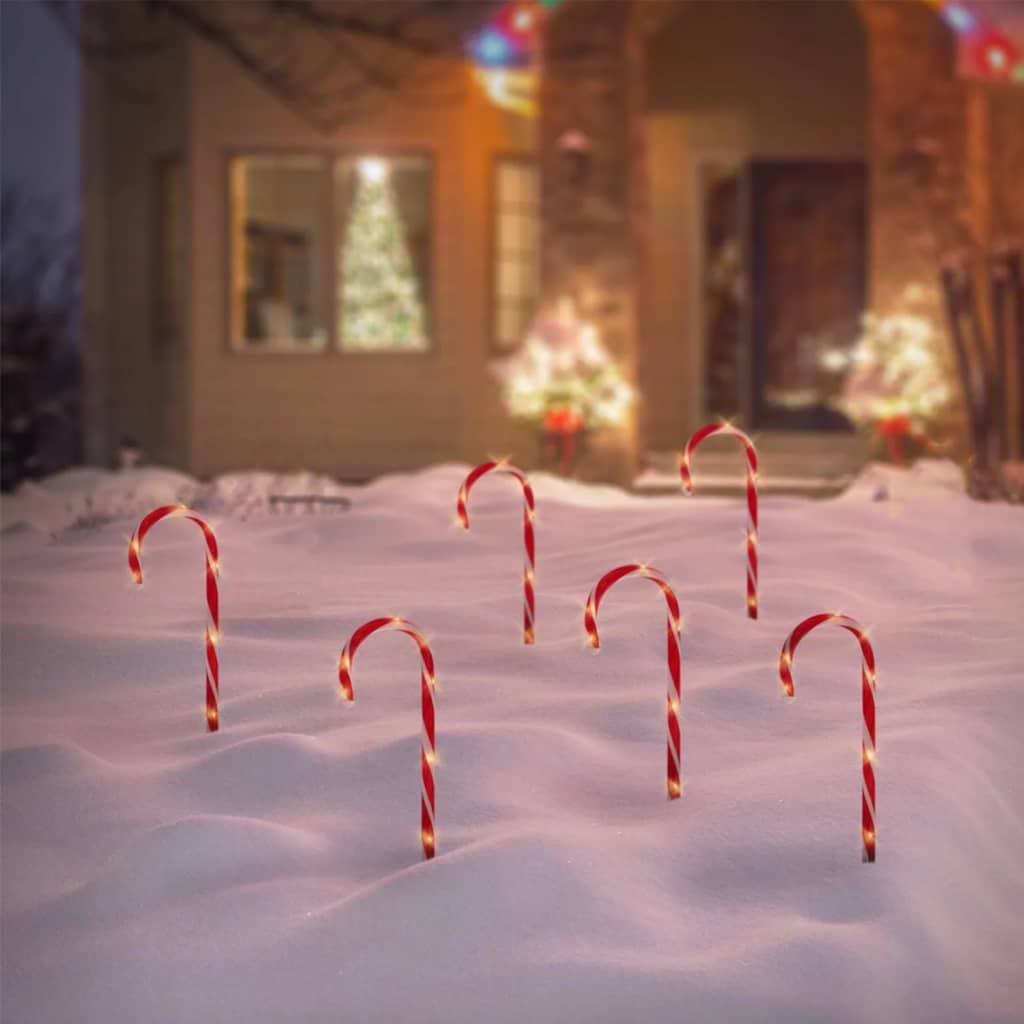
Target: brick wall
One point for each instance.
(592, 85)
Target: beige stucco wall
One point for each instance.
(135, 117)
(353, 415)
(730, 81)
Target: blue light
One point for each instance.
(491, 47)
(958, 18)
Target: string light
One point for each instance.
(726, 428)
(603, 585)
(563, 380)
(868, 741)
(178, 511)
(428, 745)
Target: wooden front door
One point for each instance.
(806, 259)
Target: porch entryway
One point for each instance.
(757, 247)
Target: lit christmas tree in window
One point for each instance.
(381, 307)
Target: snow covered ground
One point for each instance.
(271, 872)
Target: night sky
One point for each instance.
(39, 109)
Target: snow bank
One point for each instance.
(271, 871)
(89, 497)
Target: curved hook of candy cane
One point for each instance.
(673, 645)
(751, 455)
(212, 596)
(428, 683)
(869, 681)
(529, 542)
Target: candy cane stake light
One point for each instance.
(674, 628)
(428, 682)
(212, 597)
(868, 682)
(529, 512)
(751, 453)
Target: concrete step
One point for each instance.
(817, 465)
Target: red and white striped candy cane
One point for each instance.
(428, 747)
(529, 511)
(751, 452)
(868, 681)
(212, 598)
(674, 628)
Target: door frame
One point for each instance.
(702, 157)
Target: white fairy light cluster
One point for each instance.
(562, 365)
(896, 368)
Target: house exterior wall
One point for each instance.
(350, 414)
(135, 118)
(593, 219)
(944, 158)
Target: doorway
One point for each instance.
(757, 146)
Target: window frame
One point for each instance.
(329, 157)
(499, 160)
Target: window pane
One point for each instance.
(279, 252)
(511, 232)
(511, 280)
(517, 258)
(383, 266)
(511, 330)
(529, 231)
(509, 183)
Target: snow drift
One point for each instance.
(272, 871)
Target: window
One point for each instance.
(383, 271)
(168, 236)
(516, 250)
(280, 262)
(301, 283)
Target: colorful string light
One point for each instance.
(985, 50)
(506, 52)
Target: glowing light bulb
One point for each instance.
(523, 19)
(373, 169)
(996, 58)
(958, 18)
